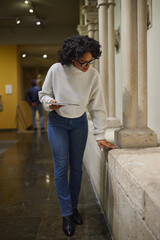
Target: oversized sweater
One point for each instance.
(70, 85)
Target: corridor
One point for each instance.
(29, 208)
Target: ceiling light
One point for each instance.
(44, 55)
(18, 21)
(31, 10)
(38, 22)
(26, 2)
(24, 55)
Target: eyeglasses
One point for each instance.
(84, 64)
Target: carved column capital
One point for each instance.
(90, 2)
(90, 13)
(111, 2)
(102, 3)
(82, 30)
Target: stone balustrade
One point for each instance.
(127, 184)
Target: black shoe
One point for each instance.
(68, 225)
(76, 217)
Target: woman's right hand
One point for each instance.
(54, 107)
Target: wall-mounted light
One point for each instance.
(18, 20)
(44, 55)
(26, 2)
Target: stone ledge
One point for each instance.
(127, 183)
(132, 225)
(137, 172)
(152, 207)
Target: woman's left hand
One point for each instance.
(105, 143)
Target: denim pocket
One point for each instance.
(52, 116)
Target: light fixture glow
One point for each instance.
(24, 55)
(38, 23)
(18, 21)
(44, 55)
(26, 2)
(31, 10)
(47, 178)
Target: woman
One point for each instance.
(72, 80)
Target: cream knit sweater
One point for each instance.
(70, 85)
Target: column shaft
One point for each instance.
(129, 62)
(103, 39)
(81, 16)
(111, 60)
(142, 63)
(91, 30)
(96, 37)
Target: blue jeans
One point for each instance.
(67, 138)
(41, 117)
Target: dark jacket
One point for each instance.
(32, 95)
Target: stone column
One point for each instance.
(91, 28)
(81, 17)
(112, 121)
(103, 39)
(142, 62)
(90, 13)
(131, 135)
(91, 17)
(82, 28)
(96, 37)
(142, 74)
(91, 33)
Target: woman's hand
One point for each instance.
(105, 143)
(54, 107)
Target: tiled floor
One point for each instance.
(29, 208)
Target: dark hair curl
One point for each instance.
(74, 47)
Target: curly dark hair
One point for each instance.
(74, 47)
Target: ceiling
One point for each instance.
(59, 20)
(34, 55)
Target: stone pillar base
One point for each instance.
(113, 122)
(136, 138)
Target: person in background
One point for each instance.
(33, 100)
(72, 80)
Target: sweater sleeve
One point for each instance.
(97, 110)
(47, 94)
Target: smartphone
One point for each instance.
(62, 103)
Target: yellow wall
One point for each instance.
(8, 75)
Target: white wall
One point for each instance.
(154, 69)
